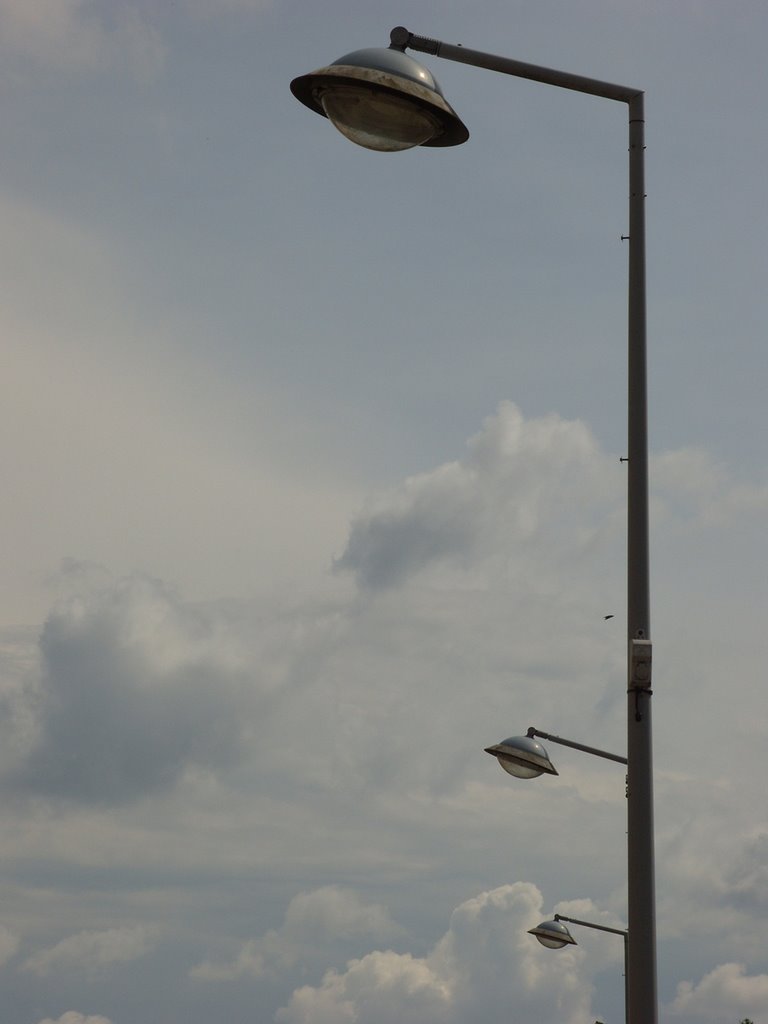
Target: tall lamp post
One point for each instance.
(385, 100)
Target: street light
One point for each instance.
(384, 100)
(525, 758)
(554, 935)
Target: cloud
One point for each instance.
(485, 960)
(725, 993)
(690, 484)
(747, 880)
(9, 944)
(90, 949)
(519, 480)
(713, 865)
(215, 8)
(72, 1017)
(430, 519)
(77, 35)
(535, 494)
(135, 687)
(315, 922)
(365, 717)
(138, 687)
(139, 449)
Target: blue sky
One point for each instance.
(313, 491)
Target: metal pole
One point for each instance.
(641, 952)
(640, 847)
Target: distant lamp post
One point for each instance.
(384, 100)
(523, 757)
(526, 758)
(554, 935)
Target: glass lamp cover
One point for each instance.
(377, 120)
(520, 771)
(553, 935)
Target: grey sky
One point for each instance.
(313, 491)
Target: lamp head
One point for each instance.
(522, 756)
(382, 99)
(553, 934)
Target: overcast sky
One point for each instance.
(313, 490)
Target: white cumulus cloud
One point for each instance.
(314, 921)
(517, 485)
(92, 949)
(485, 960)
(73, 1017)
(726, 993)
